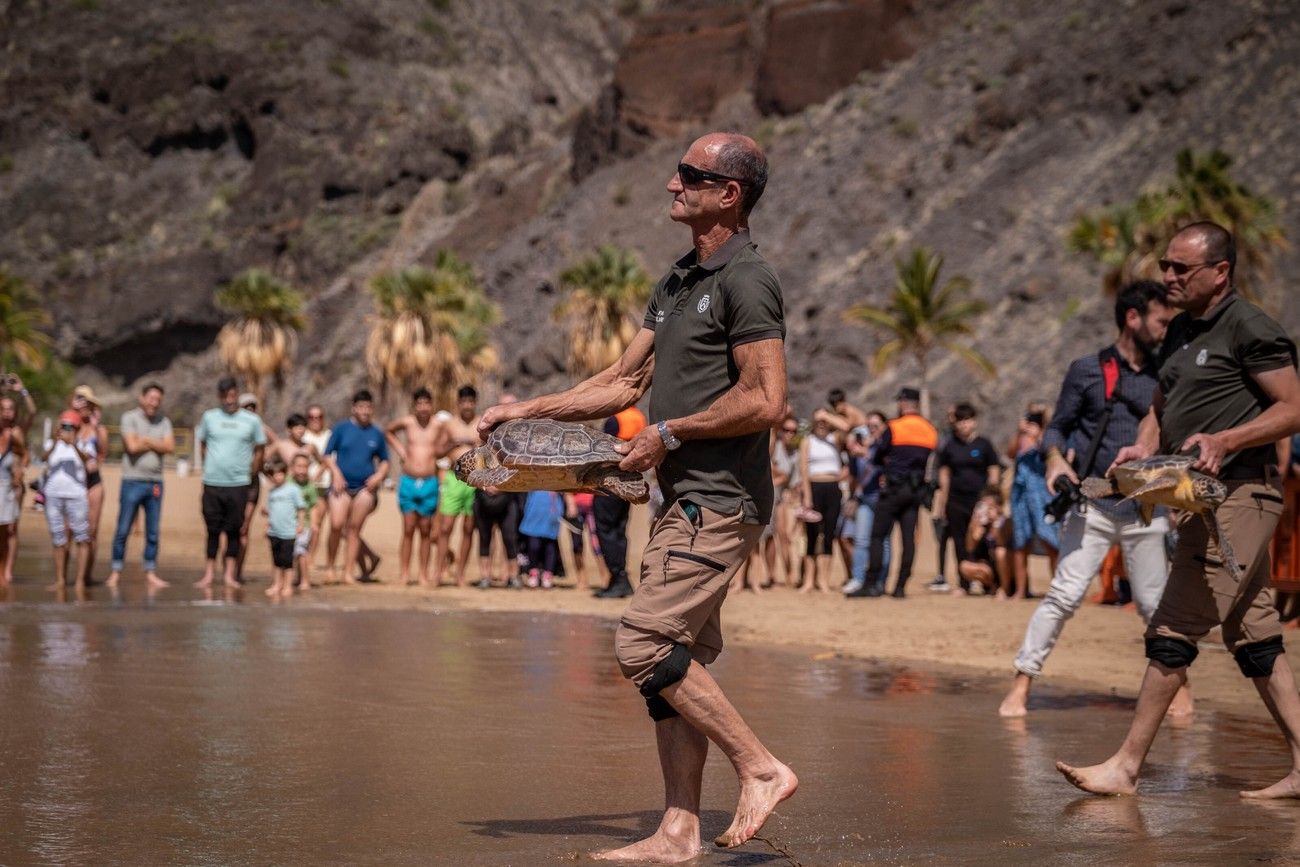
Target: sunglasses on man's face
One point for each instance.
(691, 176)
(315, 418)
(1182, 268)
(71, 427)
(790, 430)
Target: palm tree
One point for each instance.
(923, 316)
(26, 347)
(1127, 238)
(262, 335)
(431, 328)
(608, 291)
(24, 341)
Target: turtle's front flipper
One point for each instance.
(490, 477)
(1162, 484)
(1225, 547)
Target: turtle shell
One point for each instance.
(546, 443)
(1156, 463)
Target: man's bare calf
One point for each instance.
(764, 782)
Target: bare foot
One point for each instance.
(111, 580)
(204, 582)
(152, 579)
(232, 583)
(57, 585)
(659, 848)
(758, 798)
(1104, 779)
(1287, 787)
(273, 591)
(1013, 705)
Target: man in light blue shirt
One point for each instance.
(231, 442)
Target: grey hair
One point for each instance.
(741, 159)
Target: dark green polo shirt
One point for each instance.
(700, 312)
(1205, 375)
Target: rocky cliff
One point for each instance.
(149, 156)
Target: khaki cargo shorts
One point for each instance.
(685, 571)
(1202, 594)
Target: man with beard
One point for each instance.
(1103, 398)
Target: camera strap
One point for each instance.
(1108, 359)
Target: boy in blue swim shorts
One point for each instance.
(418, 440)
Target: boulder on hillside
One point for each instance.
(817, 47)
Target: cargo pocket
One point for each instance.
(690, 557)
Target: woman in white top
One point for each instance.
(318, 435)
(821, 469)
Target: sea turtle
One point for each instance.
(1169, 480)
(541, 454)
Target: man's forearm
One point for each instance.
(1148, 434)
(1279, 421)
(601, 396)
(738, 411)
(755, 403)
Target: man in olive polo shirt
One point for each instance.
(713, 340)
(1227, 389)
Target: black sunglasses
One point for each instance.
(66, 426)
(691, 176)
(1181, 268)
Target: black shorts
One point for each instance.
(254, 493)
(281, 552)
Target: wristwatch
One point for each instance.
(670, 442)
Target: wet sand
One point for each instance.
(1100, 651)
(252, 734)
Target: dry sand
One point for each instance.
(1100, 650)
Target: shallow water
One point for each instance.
(174, 732)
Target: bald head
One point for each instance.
(1216, 243)
(737, 156)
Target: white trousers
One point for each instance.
(1085, 540)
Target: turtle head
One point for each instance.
(471, 461)
(1209, 490)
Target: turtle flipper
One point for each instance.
(1098, 489)
(623, 484)
(1225, 547)
(1146, 511)
(490, 477)
(1161, 484)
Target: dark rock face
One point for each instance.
(680, 64)
(153, 151)
(149, 153)
(814, 48)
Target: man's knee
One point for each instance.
(1257, 660)
(635, 658)
(668, 671)
(1171, 652)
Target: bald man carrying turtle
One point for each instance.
(713, 342)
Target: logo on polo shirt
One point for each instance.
(1202, 357)
(703, 305)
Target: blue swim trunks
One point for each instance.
(417, 495)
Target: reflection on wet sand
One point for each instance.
(151, 730)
